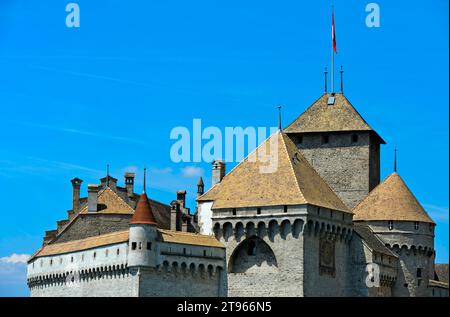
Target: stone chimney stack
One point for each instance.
(175, 216)
(181, 197)
(129, 184)
(92, 197)
(76, 184)
(218, 171)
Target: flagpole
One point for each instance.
(332, 69)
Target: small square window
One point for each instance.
(133, 245)
(149, 245)
(325, 139)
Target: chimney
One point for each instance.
(129, 184)
(175, 216)
(49, 235)
(200, 187)
(76, 184)
(181, 197)
(218, 171)
(92, 197)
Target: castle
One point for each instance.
(320, 224)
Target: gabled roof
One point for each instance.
(321, 117)
(276, 173)
(109, 202)
(391, 200)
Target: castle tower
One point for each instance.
(285, 231)
(398, 219)
(143, 235)
(340, 145)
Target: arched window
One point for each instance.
(251, 249)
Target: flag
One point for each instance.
(333, 35)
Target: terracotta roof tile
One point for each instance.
(391, 200)
(143, 213)
(190, 238)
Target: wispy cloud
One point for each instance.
(15, 258)
(81, 132)
(438, 213)
(192, 171)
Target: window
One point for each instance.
(405, 285)
(71, 259)
(419, 272)
(285, 208)
(82, 257)
(416, 225)
(95, 255)
(419, 282)
(354, 138)
(234, 211)
(118, 251)
(300, 139)
(258, 211)
(391, 225)
(204, 252)
(51, 262)
(60, 260)
(325, 139)
(318, 210)
(251, 248)
(133, 245)
(149, 245)
(140, 245)
(184, 251)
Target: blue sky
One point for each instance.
(74, 99)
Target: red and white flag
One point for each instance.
(333, 35)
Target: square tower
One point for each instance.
(340, 145)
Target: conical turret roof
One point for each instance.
(391, 200)
(143, 213)
(286, 178)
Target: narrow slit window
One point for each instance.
(416, 225)
(258, 211)
(391, 225)
(234, 211)
(285, 208)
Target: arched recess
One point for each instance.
(252, 255)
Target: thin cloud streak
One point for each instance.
(82, 132)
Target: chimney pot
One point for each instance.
(129, 183)
(218, 171)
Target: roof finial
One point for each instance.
(325, 75)
(145, 176)
(342, 80)
(395, 160)
(279, 118)
(107, 174)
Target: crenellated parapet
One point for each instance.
(194, 269)
(408, 249)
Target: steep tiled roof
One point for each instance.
(441, 272)
(210, 194)
(372, 240)
(391, 200)
(143, 213)
(109, 202)
(285, 178)
(190, 238)
(122, 236)
(321, 117)
(83, 244)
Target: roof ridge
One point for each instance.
(305, 111)
(283, 135)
